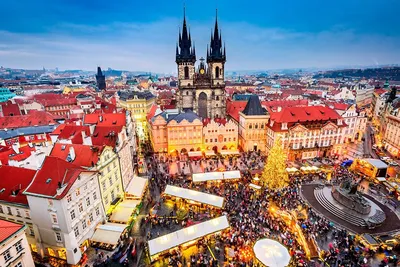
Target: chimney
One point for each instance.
(91, 129)
(279, 108)
(100, 118)
(15, 147)
(72, 153)
(87, 140)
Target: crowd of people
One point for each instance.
(251, 216)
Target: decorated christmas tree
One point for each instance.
(275, 175)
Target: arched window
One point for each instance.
(217, 72)
(186, 72)
(187, 92)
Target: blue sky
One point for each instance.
(141, 35)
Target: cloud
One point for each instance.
(151, 46)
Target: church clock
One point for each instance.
(202, 71)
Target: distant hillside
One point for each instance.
(390, 73)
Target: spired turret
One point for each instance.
(216, 53)
(184, 50)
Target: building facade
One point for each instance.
(14, 248)
(307, 132)
(220, 135)
(391, 133)
(176, 132)
(252, 126)
(67, 209)
(201, 90)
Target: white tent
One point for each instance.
(191, 233)
(108, 233)
(196, 196)
(137, 186)
(271, 253)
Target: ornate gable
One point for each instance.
(329, 126)
(298, 128)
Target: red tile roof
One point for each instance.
(54, 171)
(304, 114)
(234, 107)
(380, 91)
(12, 185)
(86, 156)
(273, 105)
(33, 118)
(108, 119)
(10, 109)
(106, 135)
(57, 102)
(340, 106)
(74, 133)
(7, 229)
(152, 112)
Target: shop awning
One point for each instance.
(381, 179)
(271, 253)
(210, 153)
(230, 152)
(194, 232)
(122, 213)
(195, 153)
(108, 233)
(137, 186)
(196, 196)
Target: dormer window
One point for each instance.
(339, 122)
(284, 126)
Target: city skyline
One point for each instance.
(137, 36)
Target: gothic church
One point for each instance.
(201, 90)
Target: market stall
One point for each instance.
(185, 237)
(107, 235)
(123, 212)
(193, 154)
(194, 196)
(229, 152)
(215, 176)
(137, 188)
(271, 253)
(292, 170)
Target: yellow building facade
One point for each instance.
(110, 180)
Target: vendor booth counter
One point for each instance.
(185, 237)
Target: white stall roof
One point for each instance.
(255, 186)
(377, 163)
(196, 196)
(271, 253)
(188, 234)
(232, 175)
(230, 152)
(137, 186)
(212, 176)
(108, 233)
(122, 213)
(208, 176)
(195, 153)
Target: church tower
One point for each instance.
(216, 56)
(185, 59)
(201, 90)
(100, 79)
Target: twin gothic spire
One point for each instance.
(185, 52)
